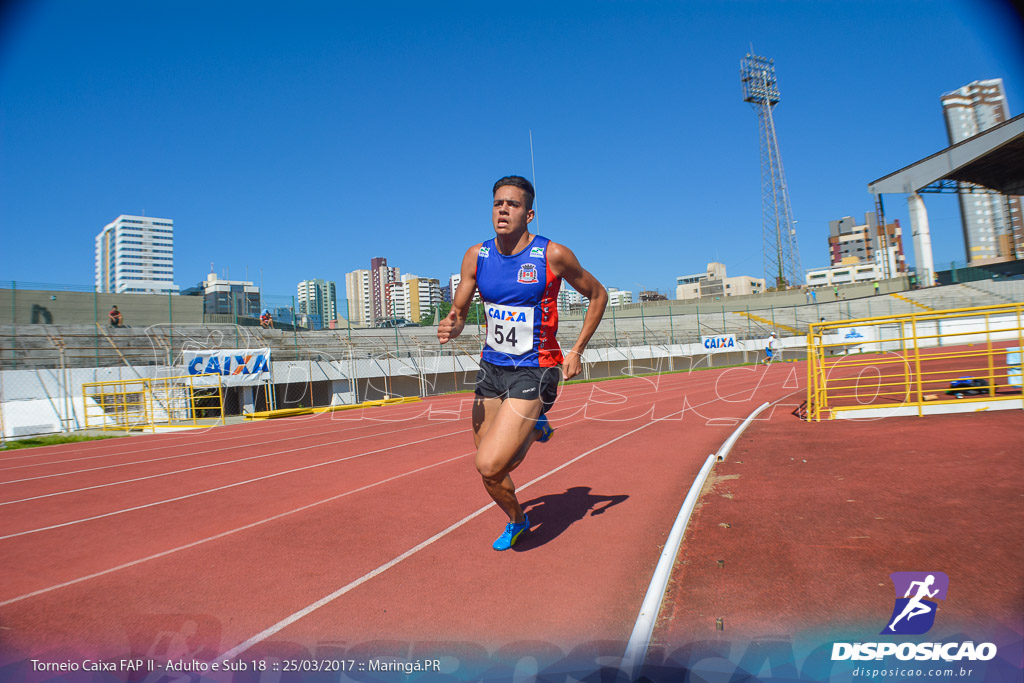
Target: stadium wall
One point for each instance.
(54, 307)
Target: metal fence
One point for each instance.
(921, 363)
(43, 366)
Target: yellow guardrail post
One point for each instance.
(990, 354)
(810, 369)
(917, 365)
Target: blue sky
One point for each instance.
(303, 139)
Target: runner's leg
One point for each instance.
(503, 431)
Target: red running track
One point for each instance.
(357, 532)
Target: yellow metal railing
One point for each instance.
(141, 404)
(766, 321)
(917, 359)
(908, 300)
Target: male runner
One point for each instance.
(770, 349)
(518, 275)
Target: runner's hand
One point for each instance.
(449, 327)
(571, 365)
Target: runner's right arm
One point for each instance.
(451, 325)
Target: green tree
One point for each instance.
(474, 317)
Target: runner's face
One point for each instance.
(510, 214)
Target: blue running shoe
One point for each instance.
(545, 429)
(512, 531)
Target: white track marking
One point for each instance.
(287, 621)
(303, 435)
(284, 514)
(186, 455)
(327, 599)
(223, 534)
(227, 486)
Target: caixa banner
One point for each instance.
(722, 342)
(236, 367)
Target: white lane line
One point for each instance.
(223, 534)
(269, 519)
(186, 455)
(257, 440)
(236, 446)
(227, 486)
(287, 621)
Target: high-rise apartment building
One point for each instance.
(359, 296)
(135, 254)
(850, 242)
(318, 297)
(380, 277)
(992, 223)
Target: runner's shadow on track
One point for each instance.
(551, 515)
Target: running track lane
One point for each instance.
(819, 515)
(630, 450)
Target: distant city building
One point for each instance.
(380, 277)
(992, 223)
(652, 295)
(453, 286)
(228, 297)
(318, 298)
(135, 254)
(569, 300)
(414, 298)
(359, 297)
(854, 270)
(714, 283)
(848, 239)
(309, 321)
(619, 297)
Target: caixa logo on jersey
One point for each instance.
(914, 613)
(497, 313)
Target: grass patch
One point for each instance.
(53, 440)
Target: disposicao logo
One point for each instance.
(914, 614)
(853, 334)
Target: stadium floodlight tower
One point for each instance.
(781, 256)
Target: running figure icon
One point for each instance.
(915, 607)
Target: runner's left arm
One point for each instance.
(567, 266)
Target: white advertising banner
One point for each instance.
(859, 338)
(721, 342)
(237, 367)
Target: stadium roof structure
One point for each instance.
(993, 160)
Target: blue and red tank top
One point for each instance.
(520, 294)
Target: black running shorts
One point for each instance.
(499, 381)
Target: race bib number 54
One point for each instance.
(509, 328)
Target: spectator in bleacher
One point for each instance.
(876, 287)
(116, 319)
(266, 321)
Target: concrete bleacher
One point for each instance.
(658, 324)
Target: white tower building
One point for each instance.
(135, 254)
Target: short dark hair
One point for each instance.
(520, 182)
